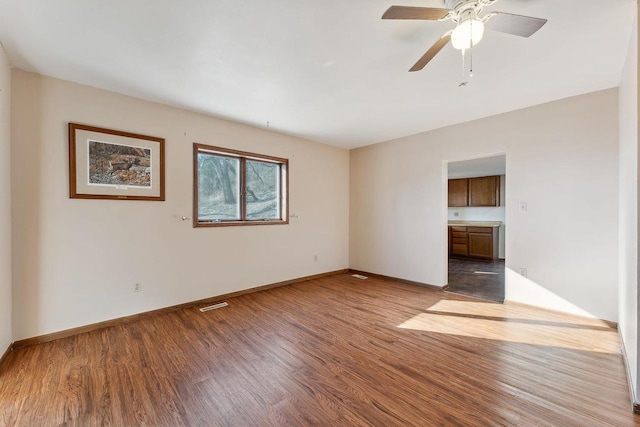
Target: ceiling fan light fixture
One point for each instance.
(468, 33)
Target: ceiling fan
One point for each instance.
(470, 24)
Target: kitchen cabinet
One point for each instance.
(483, 242)
(458, 192)
(458, 241)
(474, 242)
(481, 191)
(484, 191)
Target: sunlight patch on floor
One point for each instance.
(516, 323)
(512, 310)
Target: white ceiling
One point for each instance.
(485, 166)
(330, 71)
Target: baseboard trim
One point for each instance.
(608, 323)
(397, 279)
(635, 405)
(5, 355)
(126, 319)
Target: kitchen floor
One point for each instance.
(477, 279)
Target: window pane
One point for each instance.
(218, 187)
(263, 190)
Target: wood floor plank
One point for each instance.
(331, 351)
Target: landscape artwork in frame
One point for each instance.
(109, 164)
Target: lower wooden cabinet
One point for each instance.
(473, 242)
(458, 240)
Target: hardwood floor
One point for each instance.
(332, 351)
(477, 278)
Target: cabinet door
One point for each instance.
(484, 191)
(480, 245)
(458, 192)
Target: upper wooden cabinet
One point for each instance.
(482, 191)
(458, 192)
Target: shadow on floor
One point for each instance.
(477, 279)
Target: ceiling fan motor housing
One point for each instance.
(460, 6)
(452, 4)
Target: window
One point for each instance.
(237, 188)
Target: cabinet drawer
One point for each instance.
(455, 241)
(459, 235)
(458, 228)
(481, 230)
(459, 249)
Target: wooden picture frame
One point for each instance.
(109, 164)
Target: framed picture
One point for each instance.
(109, 164)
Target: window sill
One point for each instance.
(199, 224)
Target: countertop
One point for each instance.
(475, 223)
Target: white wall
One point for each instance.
(628, 213)
(562, 159)
(6, 335)
(75, 261)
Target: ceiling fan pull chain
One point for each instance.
(471, 46)
(471, 61)
(464, 71)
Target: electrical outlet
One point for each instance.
(456, 214)
(315, 257)
(522, 272)
(137, 287)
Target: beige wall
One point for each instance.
(562, 159)
(628, 216)
(6, 334)
(75, 261)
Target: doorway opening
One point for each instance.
(476, 213)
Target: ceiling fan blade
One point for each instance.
(408, 12)
(519, 25)
(433, 51)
